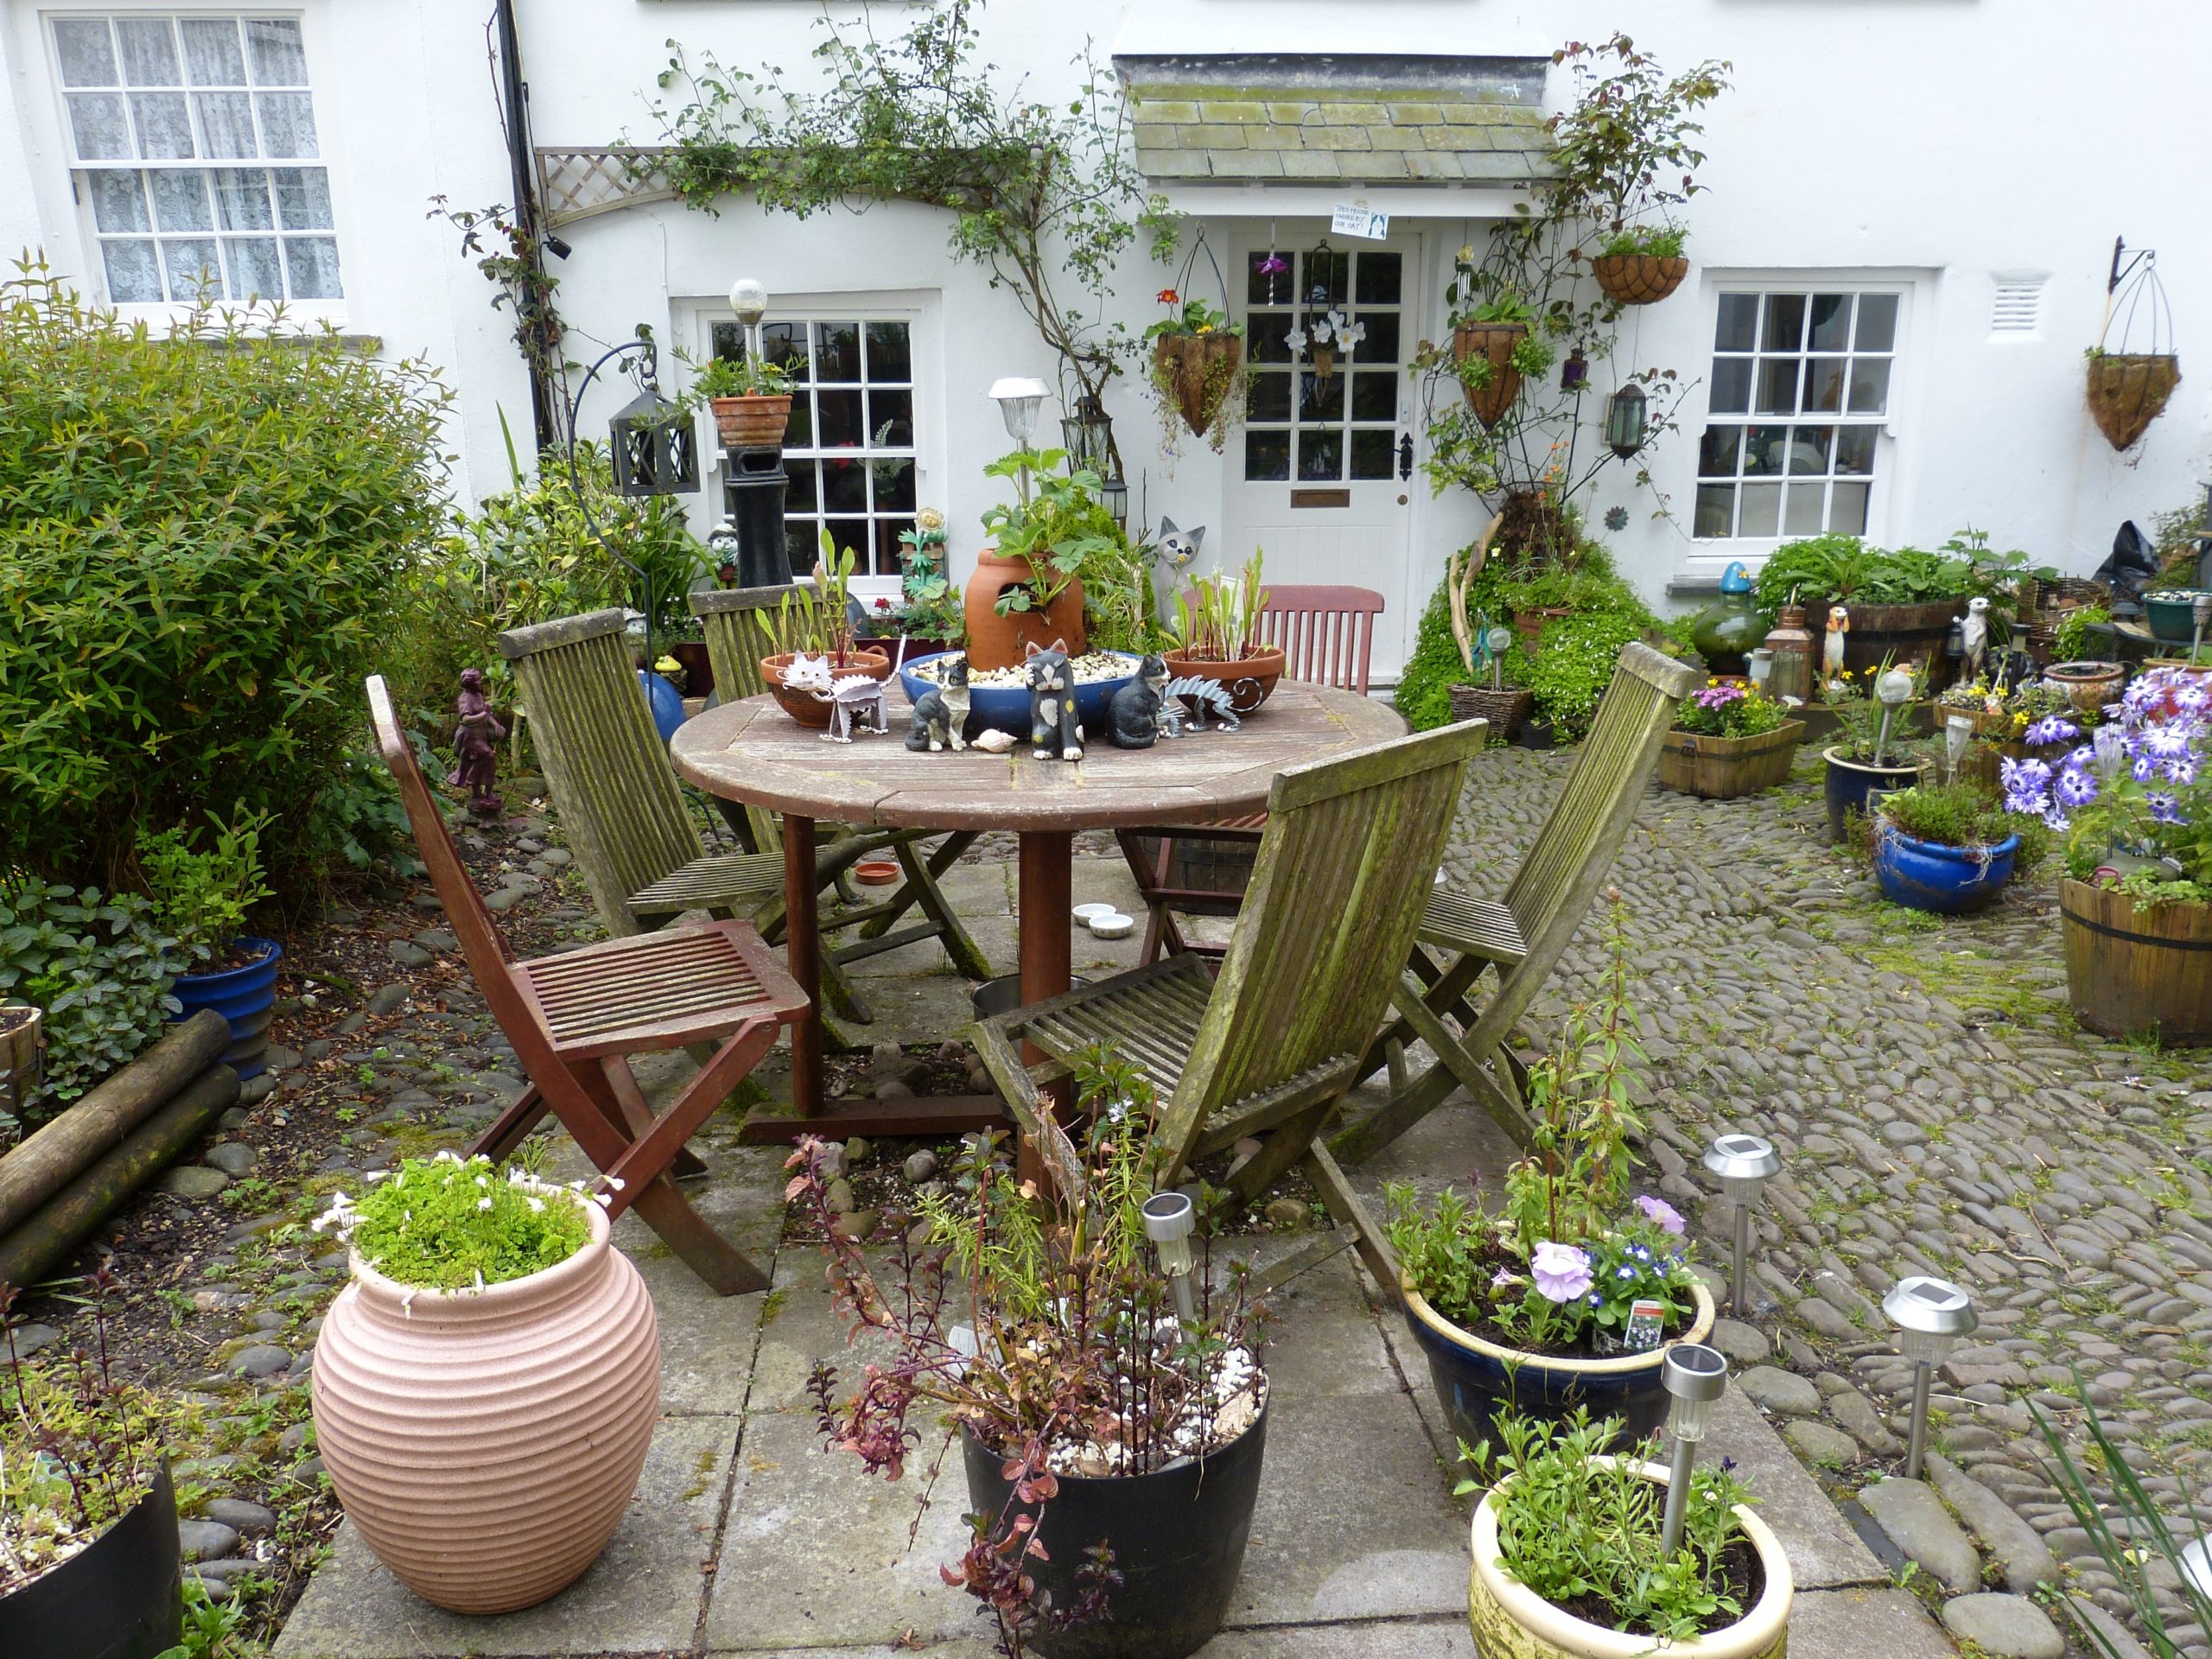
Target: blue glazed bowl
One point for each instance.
(1477, 1380)
(243, 996)
(1005, 709)
(1927, 875)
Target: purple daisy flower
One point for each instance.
(2075, 787)
(2051, 728)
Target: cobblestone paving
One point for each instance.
(1937, 1112)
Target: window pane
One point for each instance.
(302, 198)
(800, 495)
(149, 52)
(1824, 384)
(1270, 398)
(1716, 452)
(210, 52)
(891, 419)
(226, 123)
(842, 425)
(97, 123)
(1778, 385)
(802, 543)
(1831, 322)
(1318, 402)
(118, 201)
(895, 486)
(278, 58)
(133, 276)
(242, 200)
(1374, 453)
(1809, 450)
(1325, 276)
(1848, 508)
(255, 271)
(86, 53)
(1737, 329)
(1267, 456)
(1869, 386)
(846, 533)
(1381, 344)
(181, 200)
(287, 124)
(837, 352)
(799, 434)
(1380, 279)
(1320, 455)
(844, 485)
(890, 557)
(191, 264)
(1854, 450)
(1264, 333)
(312, 264)
(1732, 385)
(890, 353)
(1785, 322)
(1762, 450)
(164, 126)
(1716, 506)
(781, 343)
(1805, 510)
(1374, 395)
(1760, 511)
(1877, 322)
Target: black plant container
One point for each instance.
(1178, 1538)
(1537, 734)
(122, 1597)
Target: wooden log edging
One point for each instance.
(40, 1167)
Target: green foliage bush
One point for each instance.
(1838, 567)
(211, 537)
(201, 893)
(100, 966)
(1424, 693)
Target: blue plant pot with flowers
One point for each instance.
(1928, 876)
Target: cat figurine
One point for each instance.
(1054, 731)
(941, 713)
(805, 673)
(1134, 716)
(1174, 554)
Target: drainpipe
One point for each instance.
(514, 96)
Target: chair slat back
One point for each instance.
(1349, 853)
(1592, 817)
(1327, 632)
(741, 625)
(620, 805)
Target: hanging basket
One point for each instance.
(1196, 373)
(1639, 279)
(2128, 391)
(1494, 343)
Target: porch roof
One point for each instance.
(1289, 118)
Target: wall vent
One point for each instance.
(2018, 308)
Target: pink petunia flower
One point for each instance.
(1658, 1210)
(1561, 1272)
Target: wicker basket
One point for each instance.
(1639, 279)
(2059, 594)
(1504, 707)
(20, 1071)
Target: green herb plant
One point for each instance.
(447, 1222)
(1217, 620)
(99, 964)
(2071, 640)
(1961, 815)
(1056, 528)
(734, 376)
(202, 894)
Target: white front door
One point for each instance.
(1313, 478)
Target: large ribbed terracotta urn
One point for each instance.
(486, 1443)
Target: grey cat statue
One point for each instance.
(1174, 554)
(941, 713)
(1054, 731)
(1134, 716)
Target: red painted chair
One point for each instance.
(1327, 636)
(574, 1017)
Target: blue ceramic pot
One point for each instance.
(1927, 875)
(2171, 615)
(1005, 709)
(665, 703)
(1476, 1380)
(1850, 782)
(243, 997)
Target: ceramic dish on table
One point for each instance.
(1006, 708)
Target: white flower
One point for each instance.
(1296, 341)
(483, 1204)
(604, 1200)
(615, 1182)
(480, 1181)
(445, 1155)
(377, 1174)
(537, 1205)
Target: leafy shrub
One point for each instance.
(203, 896)
(1574, 664)
(100, 965)
(1964, 816)
(211, 537)
(1424, 693)
(1837, 567)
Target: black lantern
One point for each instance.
(1088, 434)
(653, 447)
(1116, 492)
(1574, 373)
(1626, 421)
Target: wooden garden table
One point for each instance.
(751, 750)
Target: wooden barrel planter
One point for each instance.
(1493, 342)
(2127, 390)
(1638, 278)
(2131, 968)
(1907, 634)
(1721, 768)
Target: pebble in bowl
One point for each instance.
(998, 699)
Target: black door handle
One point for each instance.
(1406, 455)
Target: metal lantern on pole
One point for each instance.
(652, 445)
(1169, 1219)
(1116, 493)
(1744, 1164)
(749, 299)
(1627, 421)
(1695, 1376)
(1930, 1315)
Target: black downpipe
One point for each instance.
(514, 92)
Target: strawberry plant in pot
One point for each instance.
(1106, 1395)
(1198, 375)
(1217, 637)
(1028, 589)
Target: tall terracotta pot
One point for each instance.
(486, 1443)
(995, 641)
(1493, 342)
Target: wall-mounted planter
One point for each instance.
(1195, 372)
(2127, 390)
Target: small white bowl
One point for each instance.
(1112, 925)
(1084, 912)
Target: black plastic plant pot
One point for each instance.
(122, 1597)
(1537, 734)
(1178, 1538)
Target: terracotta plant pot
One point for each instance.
(751, 422)
(1196, 371)
(2127, 390)
(803, 706)
(1530, 626)
(1722, 768)
(1494, 343)
(1249, 680)
(2089, 685)
(1511, 1619)
(1639, 279)
(995, 641)
(2133, 967)
(486, 1443)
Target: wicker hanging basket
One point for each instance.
(1639, 279)
(1197, 371)
(2128, 391)
(1493, 342)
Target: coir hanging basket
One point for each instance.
(1197, 371)
(1639, 279)
(1493, 342)
(2128, 391)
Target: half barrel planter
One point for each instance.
(2131, 968)
(1943, 880)
(1477, 1379)
(487, 1443)
(245, 997)
(1722, 768)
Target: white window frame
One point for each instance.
(1709, 555)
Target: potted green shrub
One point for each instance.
(1217, 637)
(1111, 1425)
(1948, 848)
(203, 896)
(751, 400)
(486, 1387)
(1568, 1295)
(1569, 1560)
(1728, 740)
(927, 617)
(1198, 373)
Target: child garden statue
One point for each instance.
(476, 765)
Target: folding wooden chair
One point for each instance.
(1523, 935)
(1269, 1046)
(1327, 635)
(574, 1017)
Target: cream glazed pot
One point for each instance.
(486, 1443)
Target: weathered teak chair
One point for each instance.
(1269, 1045)
(574, 1017)
(1327, 636)
(1525, 934)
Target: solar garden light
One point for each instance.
(1930, 1315)
(1893, 689)
(2200, 613)
(1695, 1376)
(1169, 1218)
(1500, 640)
(749, 299)
(1020, 398)
(1744, 1164)
(1958, 732)
(2196, 1563)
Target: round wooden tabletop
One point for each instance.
(752, 751)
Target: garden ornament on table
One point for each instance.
(1134, 716)
(1892, 689)
(1973, 636)
(805, 673)
(476, 764)
(1174, 554)
(1832, 647)
(1190, 697)
(941, 713)
(855, 705)
(1055, 733)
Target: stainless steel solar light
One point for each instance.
(1930, 1315)
(1169, 1220)
(1695, 1376)
(749, 299)
(1020, 398)
(1744, 1164)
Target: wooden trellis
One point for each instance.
(575, 184)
